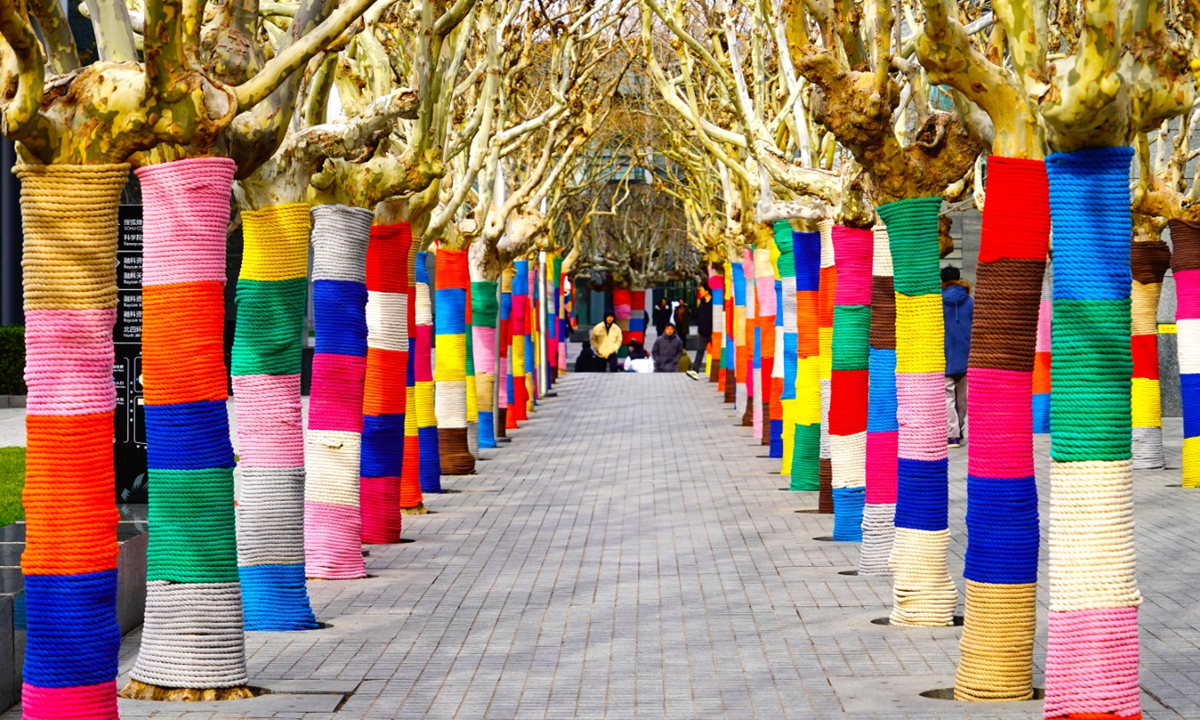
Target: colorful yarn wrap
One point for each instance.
(1041, 355)
(729, 347)
(785, 264)
(622, 310)
(922, 590)
(879, 502)
(562, 313)
(191, 560)
(825, 302)
(333, 443)
(272, 294)
(505, 369)
(752, 417)
(764, 352)
(385, 398)
(1092, 641)
(484, 311)
(1185, 268)
(806, 436)
(472, 399)
(1148, 261)
(553, 313)
(411, 499)
(430, 467)
(69, 219)
(848, 387)
(779, 360)
(519, 395)
(1002, 503)
(453, 281)
(531, 342)
(716, 285)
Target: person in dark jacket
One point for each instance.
(704, 328)
(667, 350)
(681, 318)
(957, 311)
(662, 315)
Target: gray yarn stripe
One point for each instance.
(473, 434)
(1147, 448)
(270, 517)
(339, 240)
(193, 636)
(878, 534)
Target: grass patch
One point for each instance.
(12, 482)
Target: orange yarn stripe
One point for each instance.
(71, 519)
(183, 342)
(385, 368)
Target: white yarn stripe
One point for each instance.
(789, 304)
(424, 306)
(777, 367)
(879, 531)
(332, 459)
(1188, 343)
(193, 636)
(339, 242)
(270, 516)
(825, 448)
(922, 591)
(1092, 562)
(450, 403)
(848, 456)
(881, 261)
(826, 229)
(1147, 448)
(387, 321)
(473, 437)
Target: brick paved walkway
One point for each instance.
(630, 555)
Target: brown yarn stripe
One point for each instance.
(1185, 242)
(883, 313)
(1148, 261)
(1004, 330)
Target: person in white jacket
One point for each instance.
(606, 341)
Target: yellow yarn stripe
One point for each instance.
(919, 334)
(450, 348)
(1191, 462)
(1146, 403)
(825, 344)
(808, 404)
(285, 256)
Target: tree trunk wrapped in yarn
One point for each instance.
(504, 370)
(531, 341)
(1149, 261)
(191, 560)
(1185, 268)
(69, 219)
(1041, 355)
(806, 435)
(553, 309)
(385, 397)
(745, 362)
(411, 499)
(848, 388)
(922, 589)
(272, 294)
(484, 312)
(779, 360)
(453, 279)
(737, 275)
(785, 264)
(879, 502)
(517, 399)
(1002, 511)
(716, 286)
(825, 301)
(430, 468)
(472, 398)
(622, 309)
(764, 293)
(1092, 641)
(333, 443)
(728, 383)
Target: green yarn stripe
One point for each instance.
(1091, 365)
(806, 458)
(484, 304)
(915, 260)
(783, 241)
(851, 333)
(191, 521)
(270, 321)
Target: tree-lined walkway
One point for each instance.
(630, 555)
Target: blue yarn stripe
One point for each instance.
(758, 351)
(790, 359)
(275, 598)
(520, 283)
(72, 637)
(431, 460)
(450, 311)
(188, 436)
(1002, 530)
(487, 430)
(423, 267)
(776, 439)
(340, 310)
(505, 307)
(1189, 386)
(1041, 413)
(806, 249)
(778, 303)
(848, 513)
(382, 446)
(922, 494)
(881, 403)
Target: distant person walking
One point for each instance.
(606, 341)
(681, 318)
(667, 351)
(704, 328)
(958, 310)
(662, 315)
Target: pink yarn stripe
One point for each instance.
(424, 371)
(921, 410)
(1045, 311)
(853, 249)
(374, 495)
(1187, 294)
(881, 468)
(69, 361)
(1001, 423)
(83, 702)
(485, 337)
(766, 296)
(332, 549)
(270, 433)
(1092, 662)
(622, 312)
(335, 402)
(184, 229)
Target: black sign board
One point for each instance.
(129, 438)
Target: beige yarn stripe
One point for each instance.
(332, 465)
(922, 590)
(450, 403)
(387, 321)
(849, 460)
